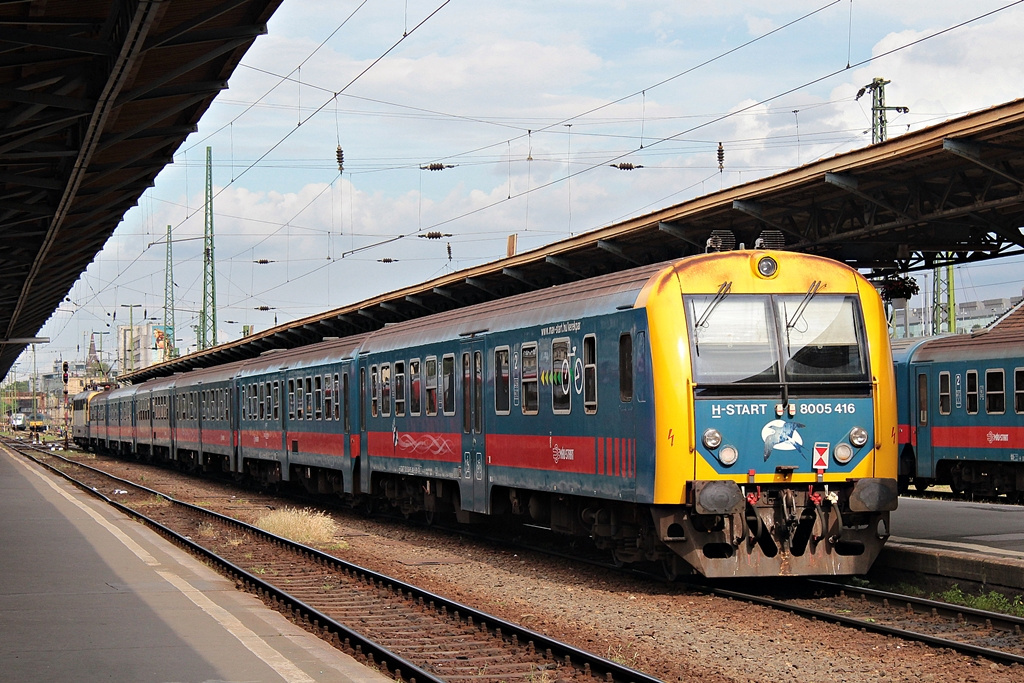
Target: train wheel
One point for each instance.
(921, 486)
(670, 569)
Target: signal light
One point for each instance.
(65, 371)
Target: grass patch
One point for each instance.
(306, 526)
(152, 501)
(990, 602)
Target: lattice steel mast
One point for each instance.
(207, 336)
(169, 349)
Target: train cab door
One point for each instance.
(474, 456)
(922, 419)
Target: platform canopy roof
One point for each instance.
(95, 98)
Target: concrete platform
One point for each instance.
(86, 594)
(979, 545)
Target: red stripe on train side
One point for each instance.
(977, 437)
(556, 453)
(432, 446)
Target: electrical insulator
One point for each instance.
(721, 157)
(263, 261)
(341, 159)
(387, 259)
(626, 166)
(449, 251)
(436, 166)
(435, 235)
(263, 308)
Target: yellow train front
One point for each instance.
(775, 426)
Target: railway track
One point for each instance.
(407, 632)
(992, 635)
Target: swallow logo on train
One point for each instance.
(783, 436)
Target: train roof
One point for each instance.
(1003, 338)
(594, 296)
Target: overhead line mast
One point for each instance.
(208, 313)
(169, 349)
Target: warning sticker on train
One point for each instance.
(819, 457)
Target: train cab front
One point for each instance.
(788, 477)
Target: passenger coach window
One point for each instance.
(1018, 390)
(995, 392)
(448, 383)
(318, 396)
(467, 385)
(502, 381)
(922, 399)
(431, 382)
(590, 374)
(309, 398)
(531, 399)
(972, 392)
(561, 378)
(399, 388)
(344, 399)
(415, 387)
(385, 389)
(277, 401)
(328, 398)
(374, 391)
(944, 398)
(300, 399)
(337, 398)
(625, 368)
(262, 402)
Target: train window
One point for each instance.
(502, 381)
(328, 398)
(337, 398)
(318, 396)
(385, 389)
(399, 388)
(300, 399)
(1018, 390)
(291, 399)
(268, 400)
(531, 398)
(944, 394)
(415, 387)
(995, 392)
(261, 402)
(431, 385)
(277, 400)
(362, 398)
(972, 392)
(590, 374)
(822, 338)
(561, 377)
(254, 402)
(922, 399)
(467, 386)
(448, 383)
(374, 392)
(625, 368)
(478, 392)
(344, 402)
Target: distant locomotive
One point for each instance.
(730, 413)
(961, 410)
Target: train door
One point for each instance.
(922, 419)
(474, 462)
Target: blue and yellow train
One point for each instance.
(961, 410)
(731, 414)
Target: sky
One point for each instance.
(526, 107)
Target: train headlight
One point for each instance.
(843, 453)
(767, 266)
(712, 439)
(728, 455)
(858, 436)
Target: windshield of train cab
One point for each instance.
(792, 339)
